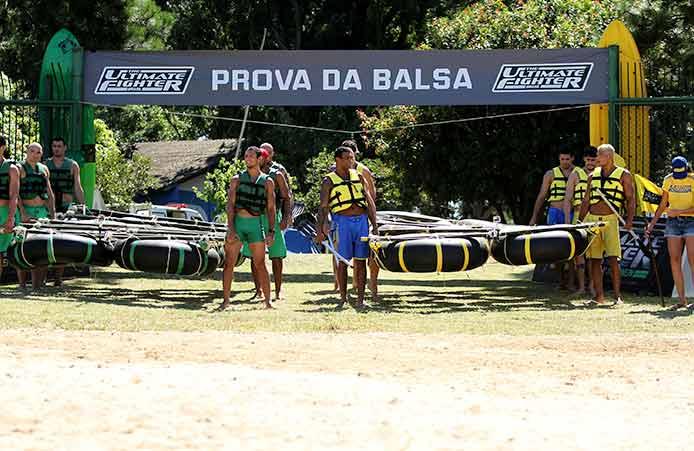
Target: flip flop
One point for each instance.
(674, 308)
(591, 303)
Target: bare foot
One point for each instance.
(268, 306)
(279, 297)
(223, 306)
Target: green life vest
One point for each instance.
(34, 184)
(250, 194)
(5, 179)
(62, 180)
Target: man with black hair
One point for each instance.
(553, 190)
(251, 195)
(66, 184)
(344, 196)
(9, 195)
(575, 190)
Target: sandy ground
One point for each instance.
(95, 390)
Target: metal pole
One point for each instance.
(246, 108)
(613, 95)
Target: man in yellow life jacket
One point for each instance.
(553, 190)
(345, 197)
(615, 183)
(575, 191)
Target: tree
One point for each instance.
(26, 26)
(118, 178)
(215, 188)
(496, 160)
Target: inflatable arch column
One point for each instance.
(61, 112)
(626, 127)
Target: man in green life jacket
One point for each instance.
(345, 197)
(251, 195)
(36, 201)
(66, 185)
(283, 204)
(9, 195)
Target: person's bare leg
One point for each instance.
(675, 246)
(616, 273)
(689, 242)
(374, 269)
(336, 286)
(596, 273)
(277, 267)
(22, 279)
(580, 266)
(231, 254)
(359, 275)
(254, 274)
(258, 253)
(38, 278)
(342, 282)
(59, 272)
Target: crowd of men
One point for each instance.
(259, 209)
(598, 192)
(33, 189)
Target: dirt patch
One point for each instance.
(74, 390)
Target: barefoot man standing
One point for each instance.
(251, 195)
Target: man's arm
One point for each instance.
(14, 197)
(370, 208)
(231, 209)
(541, 196)
(585, 205)
(323, 209)
(370, 183)
(284, 201)
(51, 196)
(569, 196)
(271, 210)
(658, 213)
(77, 181)
(628, 184)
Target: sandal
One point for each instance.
(674, 308)
(591, 303)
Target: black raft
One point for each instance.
(433, 254)
(166, 257)
(38, 250)
(541, 248)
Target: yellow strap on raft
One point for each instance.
(466, 255)
(528, 257)
(401, 256)
(439, 256)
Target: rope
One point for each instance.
(351, 133)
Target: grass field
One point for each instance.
(494, 299)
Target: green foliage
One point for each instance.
(26, 26)
(17, 123)
(148, 26)
(317, 167)
(498, 160)
(118, 178)
(216, 184)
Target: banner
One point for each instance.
(648, 195)
(337, 77)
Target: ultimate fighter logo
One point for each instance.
(144, 80)
(542, 77)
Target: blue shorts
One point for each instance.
(347, 232)
(556, 216)
(680, 226)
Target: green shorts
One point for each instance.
(5, 238)
(39, 212)
(279, 246)
(249, 230)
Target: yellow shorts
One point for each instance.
(606, 242)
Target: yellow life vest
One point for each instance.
(345, 193)
(557, 189)
(580, 187)
(610, 185)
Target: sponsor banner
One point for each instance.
(436, 77)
